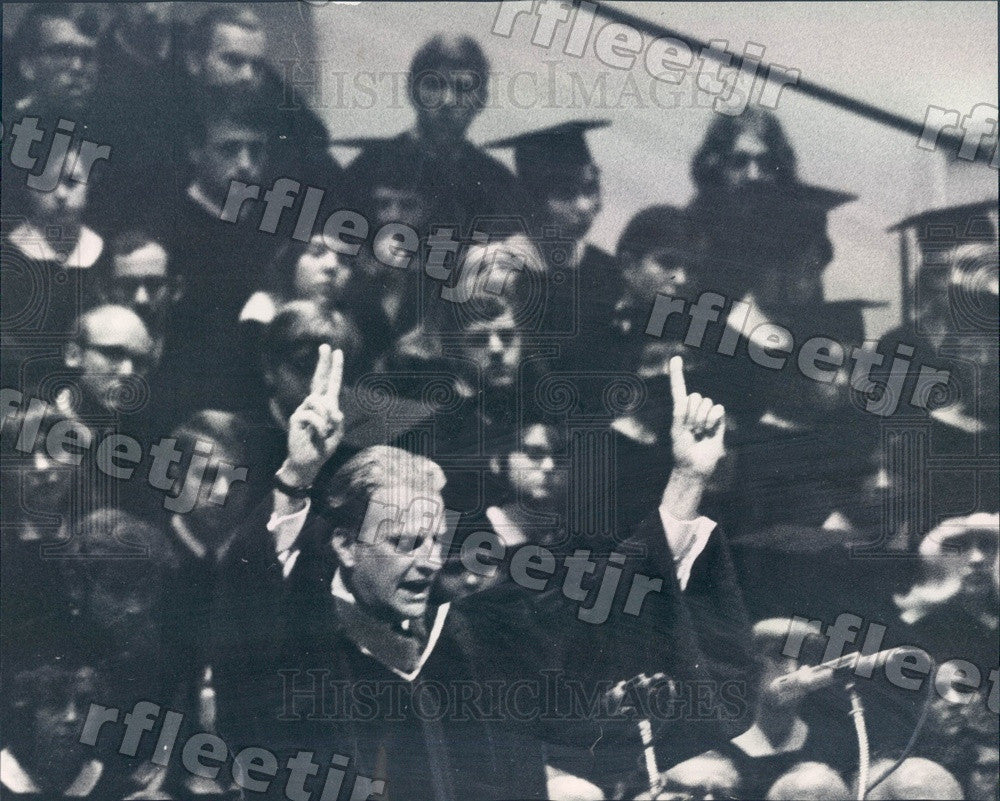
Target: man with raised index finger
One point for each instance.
(667, 672)
(329, 587)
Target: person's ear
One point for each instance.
(73, 355)
(342, 543)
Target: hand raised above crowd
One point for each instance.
(316, 427)
(697, 429)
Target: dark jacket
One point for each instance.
(368, 713)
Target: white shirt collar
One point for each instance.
(187, 538)
(340, 591)
(17, 780)
(754, 743)
(197, 194)
(31, 241)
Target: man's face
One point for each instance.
(975, 560)
(494, 347)
(221, 501)
(661, 270)
(231, 152)
(748, 162)
(531, 468)
(57, 721)
(400, 206)
(574, 201)
(63, 70)
(447, 101)
(63, 206)
(393, 562)
(139, 280)
(234, 59)
(321, 274)
(115, 349)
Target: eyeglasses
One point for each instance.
(117, 355)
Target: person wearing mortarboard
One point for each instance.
(558, 175)
(454, 181)
(951, 326)
(764, 233)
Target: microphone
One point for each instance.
(794, 685)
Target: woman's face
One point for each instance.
(321, 273)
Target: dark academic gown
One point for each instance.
(292, 624)
(462, 187)
(694, 641)
(578, 308)
(203, 364)
(39, 300)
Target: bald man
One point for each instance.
(916, 778)
(111, 352)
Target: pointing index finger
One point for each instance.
(336, 377)
(678, 389)
(321, 376)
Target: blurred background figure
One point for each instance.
(916, 779)
(39, 514)
(951, 611)
(809, 781)
(224, 60)
(51, 258)
(43, 720)
(219, 264)
(56, 58)
(781, 738)
(110, 356)
(448, 88)
(562, 190)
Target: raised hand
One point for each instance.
(697, 429)
(316, 428)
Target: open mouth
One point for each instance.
(418, 588)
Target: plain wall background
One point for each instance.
(903, 56)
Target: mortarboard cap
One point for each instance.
(562, 145)
(976, 222)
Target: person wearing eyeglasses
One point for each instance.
(55, 53)
(110, 355)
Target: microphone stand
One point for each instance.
(857, 714)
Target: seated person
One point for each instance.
(42, 755)
(287, 361)
(51, 258)
(810, 781)
(455, 386)
(310, 271)
(780, 738)
(351, 592)
(708, 775)
(139, 276)
(212, 497)
(39, 516)
(951, 612)
(658, 254)
(917, 779)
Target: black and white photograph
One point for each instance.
(500, 401)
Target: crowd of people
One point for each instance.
(251, 468)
